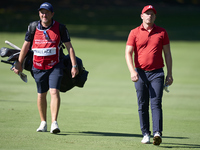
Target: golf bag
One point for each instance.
(67, 82)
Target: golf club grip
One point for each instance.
(6, 62)
(12, 45)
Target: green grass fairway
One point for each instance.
(102, 115)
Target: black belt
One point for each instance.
(160, 69)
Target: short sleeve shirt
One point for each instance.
(148, 47)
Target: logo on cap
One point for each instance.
(150, 6)
(45, 5)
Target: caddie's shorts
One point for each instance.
(46, 79)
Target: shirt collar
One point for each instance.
(142, 27)
(43, 28)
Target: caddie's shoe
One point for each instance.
(42, 127)
(146, 139)
(54, 128)
(157, 139)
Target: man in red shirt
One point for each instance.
(148, 41)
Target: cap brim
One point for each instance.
(44, 8)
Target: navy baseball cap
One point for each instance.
(46, 6)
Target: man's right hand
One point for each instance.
(134, 76)
(17, 68)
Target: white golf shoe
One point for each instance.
(42, 127)
(54, 128)
(157, 139)
(146, 139)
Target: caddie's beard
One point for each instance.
(45, 20)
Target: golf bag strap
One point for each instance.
(31, 29)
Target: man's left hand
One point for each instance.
(168, 80)
(74, 72)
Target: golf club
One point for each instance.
(22, 75)
(12, 45)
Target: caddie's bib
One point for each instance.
(46, 47)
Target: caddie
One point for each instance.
(47, 68)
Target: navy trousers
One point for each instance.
(150, 87)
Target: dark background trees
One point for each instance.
(105, 19)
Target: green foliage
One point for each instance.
(102, 115)
(105, 22)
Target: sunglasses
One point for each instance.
(46, 35)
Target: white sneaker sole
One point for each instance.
(41, 130)
(145, 142)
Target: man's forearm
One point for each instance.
(23, 51)
(129, 58)
(168, 61)
(72, 57)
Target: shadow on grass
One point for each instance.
(111, 134)
(95, 133)
(179, 145)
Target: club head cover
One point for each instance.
(7, 52)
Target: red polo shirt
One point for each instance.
(148, 47)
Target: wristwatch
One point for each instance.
(75, 66)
